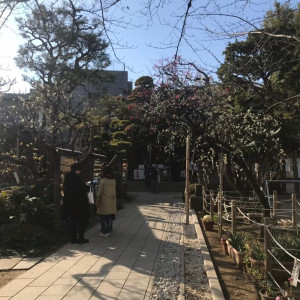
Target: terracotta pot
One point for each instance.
(224, 246)
(209, 226)
(257, 288)
(264, 296)
(256, 264)
(238, 257)
(229, 249)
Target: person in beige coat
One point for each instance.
(106, 201)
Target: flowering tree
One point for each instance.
(186, 101)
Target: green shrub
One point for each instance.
(255, 250)
(290, 240)
(238, 241)
(26, 204)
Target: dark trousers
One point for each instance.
(153, 186)
(78, 225)
(106, 223)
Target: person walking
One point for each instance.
(153, 176)
(76, 203)
(106, 201)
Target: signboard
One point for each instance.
(138, 174)
(17, 177)
(289, 168)
(295, 272)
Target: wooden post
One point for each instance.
(18, 142)
(233, 216)
(204, 198)
(275, 205)
(150, 158)
(56, 188)
(267, 245)
(211, 201)
(219, 211)
(187, 178)
(221, 194)
(256, 170)
(294, 221)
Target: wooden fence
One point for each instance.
(236, 210)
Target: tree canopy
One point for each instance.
(261, 72)
(63, 46)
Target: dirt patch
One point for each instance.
(233, 281)
(7, 276)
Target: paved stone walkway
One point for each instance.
(117, 267)
(18, 263)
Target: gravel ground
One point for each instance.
(168, 272)
(167, 279)
(196, 283)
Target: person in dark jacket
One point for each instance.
(153, 177)
(76, 203)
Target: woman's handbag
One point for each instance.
(91, 196)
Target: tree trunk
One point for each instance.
(255, 185)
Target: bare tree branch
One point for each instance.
(183, 27)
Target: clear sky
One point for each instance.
(150, 42)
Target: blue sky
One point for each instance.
(150, 43)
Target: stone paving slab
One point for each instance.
(108, 290)
(57, 290)
(9, 263)
(35, 272)
(48, 298)
(27, 263)
(28, 293)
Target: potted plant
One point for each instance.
(256, 276)
(208, 223)
(255, 254)
(238, 250)
(292, 292)
(224, 245)
(269, 291)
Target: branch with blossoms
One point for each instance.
(181, 104)
(180, 73)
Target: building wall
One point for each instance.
(115, 85)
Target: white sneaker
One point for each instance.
(107, 234)
(101, 234)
